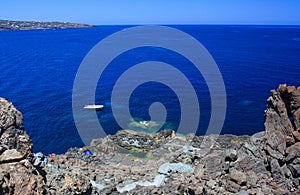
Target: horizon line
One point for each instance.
(166, 23)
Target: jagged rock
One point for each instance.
(18, 179)
(17, 174)
(131, 139)
(242, 192)
(296, 135)
(247, 161)
(296, 117)
(232, 186)
(276, 140)
(12, 135)
(159, 179)
(231, 155)
(40, 159)
(163, 135)
(251, 179)
(289, 140)
(274, 153)
(69, 182)
(295, 98)
(295, 170)
(286, 171)
(264, 163)
(293, 152)
(167, 168)
(10, 156)
(9, 115)
(97, 185)
(276, 115)
(276, 171)
(238, 177)
(211, 184)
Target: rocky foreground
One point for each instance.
(138, 163)
(30, 25)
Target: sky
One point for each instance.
(100, 12)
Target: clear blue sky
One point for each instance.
(155, 11)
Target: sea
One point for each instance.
(38, 69)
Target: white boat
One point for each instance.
(93, 107)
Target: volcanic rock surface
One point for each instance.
(17, 173)
(130, 162)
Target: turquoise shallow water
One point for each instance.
(38, 69)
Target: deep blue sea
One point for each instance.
(38, 68)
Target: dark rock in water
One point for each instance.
(264, 163)
(131, 139)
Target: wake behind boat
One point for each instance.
(93, 107)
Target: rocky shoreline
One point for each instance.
(131, 162)
(31, 25)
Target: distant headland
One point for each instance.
(31, 25)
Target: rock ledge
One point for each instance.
(138, 163)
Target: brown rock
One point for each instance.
(295, 99)
(199, 171)
(293, 152)
(17, 174)
(296, 135)
(232, 186)
(289, 140)
(164, 135)
(276, 171)
(286, 171)
(251, 179)
(296, 116)
(12, 135)
(238, 177)
(10, 155)
(9, 115)
(276, 115)
(274, 153)
(18, 179)
(283, 111)
(276, 140)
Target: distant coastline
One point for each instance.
(32, 25)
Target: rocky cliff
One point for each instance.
(17, 173)
(138, 163)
